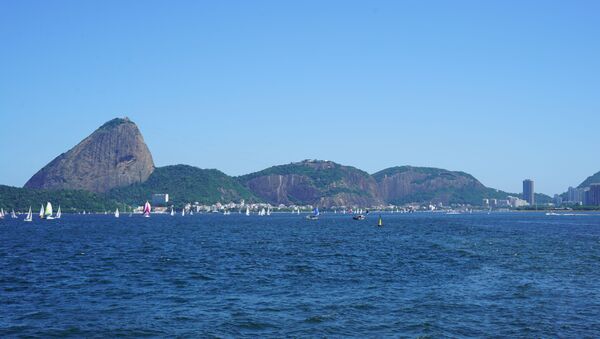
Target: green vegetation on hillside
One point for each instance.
(184, 184)
(20, 199)
(594, 179)
(429, 171)
(321, 178)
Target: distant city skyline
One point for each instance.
(502, 91)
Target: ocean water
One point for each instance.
(421, 275)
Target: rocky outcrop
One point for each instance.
(115, 155)
(405, 184)
(322, 183)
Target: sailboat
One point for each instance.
(298, 211)
(58, 213)
(262, 212)
(1, 213)
(172, 212)
(13, 215)
(314, 215)
(147, 208)
(29, 216)
(48, 212)
(269, 211)
(380, 222)
(183, 212)
(117, 213)
(42, 212)
(247, 211)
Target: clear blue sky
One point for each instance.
(504, 90)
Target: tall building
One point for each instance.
(594, 195)
(528, 192)
(576, 195)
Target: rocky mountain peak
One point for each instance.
(114, 155)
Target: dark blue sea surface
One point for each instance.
(430, 275)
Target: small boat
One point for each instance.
(48, 212)
(58, 213)
(1, 213)
(42, 212)
(360, 216)
(117, 213)
(29, 216)
(183, 212)
(13, 215)
(147, 209)
(314, 215)
(172, 211)
(247, 211)
(380, 222)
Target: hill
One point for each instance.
(20, 199)
(594, 179)
(314, 182)
(184, 184)
(399, 185)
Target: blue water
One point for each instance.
(430, 275)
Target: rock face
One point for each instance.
(322, 183)
(405, 184)
(114, 155)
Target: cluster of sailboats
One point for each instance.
(47, 213)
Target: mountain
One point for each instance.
(399, 185)
(20, 199)
(594, 179)
(313, 182)
(184, 184)
(114, 155)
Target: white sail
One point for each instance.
(172, 212)
(29, 216)
(1, 213)
(58, 213)
(247, 211)
(117, 213)
(269, 211)
(13, 215)
(183, 212)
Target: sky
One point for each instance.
(503, 90)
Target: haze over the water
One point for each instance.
(503, 90)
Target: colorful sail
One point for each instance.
(147, 209)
